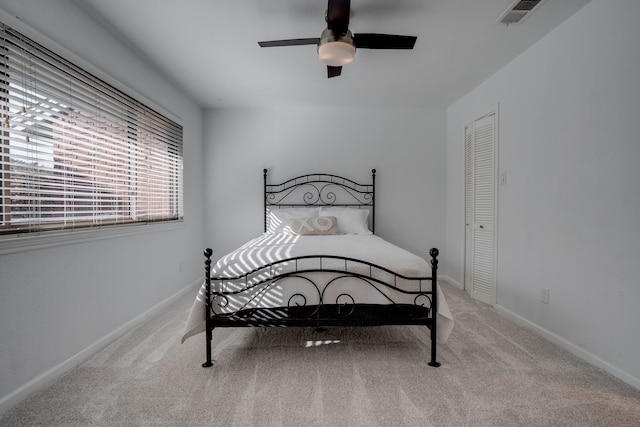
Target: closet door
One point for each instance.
(468, 206)
(480, 202)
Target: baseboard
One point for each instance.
(572, 348)
(560, 342)
(47, 377)
(450, 281)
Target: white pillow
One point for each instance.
(350, 220)
(278, 219)
(313, 226)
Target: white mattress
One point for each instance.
(270, 248)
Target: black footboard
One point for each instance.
(341, 309)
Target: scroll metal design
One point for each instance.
(235, 295)
(320, 190)
(249, 296)
(319, 193)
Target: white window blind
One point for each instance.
(75, 152)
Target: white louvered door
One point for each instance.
(480, 197)
(468, 206)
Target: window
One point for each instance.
(75, 152)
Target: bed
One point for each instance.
(320, 264)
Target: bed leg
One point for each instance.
(433, 361)
(434, 306)
(209, 335)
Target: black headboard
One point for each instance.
(320, 189)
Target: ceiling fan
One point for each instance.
(337, 46)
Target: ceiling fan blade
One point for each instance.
(338, 12)
(333, 71)
(383, 41)
(289, 42)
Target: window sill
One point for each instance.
(28, 242)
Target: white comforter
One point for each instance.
(269, 248)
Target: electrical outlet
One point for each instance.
(503, 178)
(544, 295)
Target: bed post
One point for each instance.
(265, 199)
(434, 305)
(373, 201)
(209, 335)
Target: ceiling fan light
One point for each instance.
(336, 53)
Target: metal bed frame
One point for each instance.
(315, 190)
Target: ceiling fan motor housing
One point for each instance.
(336, 51)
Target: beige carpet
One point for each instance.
(494, 373)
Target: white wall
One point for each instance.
(569, 109)
(405, 146)
(59, 301)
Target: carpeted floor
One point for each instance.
(493, 373)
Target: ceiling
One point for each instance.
(209, 48)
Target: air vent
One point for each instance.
(518, 11)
